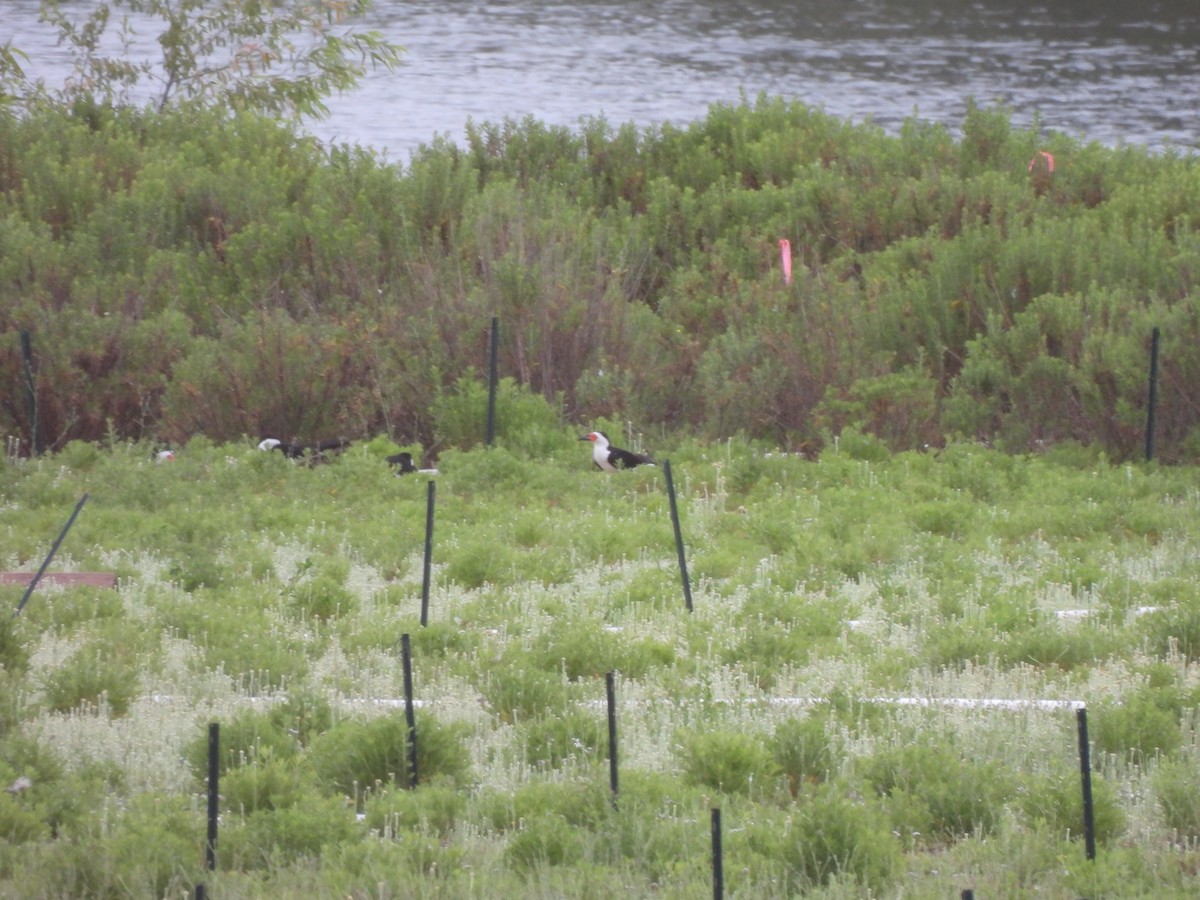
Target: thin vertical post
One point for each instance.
(49, 556)
(1085, 775)
(611, 694)
(409, 715)
(214, 771)
(492, 351)
(35, 432)
(1152, 398)
(687, 587)
(429, 505)
(718, 863)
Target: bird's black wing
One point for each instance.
(403, 462)
(627, 459)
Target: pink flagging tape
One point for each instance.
(1046, 158)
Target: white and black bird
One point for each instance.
(291, 451)
(313, 455)
(610, 458)
(403, 464)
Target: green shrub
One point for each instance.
(524, 423)
(515, 693)
(783, 631)
(555, 740)
(1062, 648)
(1171, 630)
(251, 737)
(155, 846)
(65, 801)
(237, 635)
(441, 640)
(410, 859)
(578, 804)
(265, 785)
(898, 408)
(14, 656)
(1176, 786)
(546, 840)
(21, 823)
(482, 561)
(356, 757)
(933, 791)
(90, 679)
(276, 838)
(831, 836)
(731, 762)
(148, 849)
(434, 808)
(302, 716)
(1139, 727)
(324, 595)
(957, 643)
(1056, 800)
(804, 751)
(657, 827)
(578, 649)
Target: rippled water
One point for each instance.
(1115, 72)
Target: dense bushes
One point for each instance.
(199, 273)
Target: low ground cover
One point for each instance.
(830, 595)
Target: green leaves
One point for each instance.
(936, 295)
(274, 59)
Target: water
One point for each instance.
(1113, 72)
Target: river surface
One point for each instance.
(1113, 72)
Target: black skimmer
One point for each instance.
(313, 455)
(610, 458)
(291, 451)
(334, 446)
(403, 463)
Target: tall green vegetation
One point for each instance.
(206, 269)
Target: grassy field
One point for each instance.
(850, 613)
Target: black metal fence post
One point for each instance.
(409, 715)
(683, 572)
(35, 432)
(214, 771)
(1085, 775)
(1152, 398)
(492, 352)
(611, 694)
(427, 568)
(718, 863)
(49, 556)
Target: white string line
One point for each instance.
(950, 702)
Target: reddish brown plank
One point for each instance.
(92, 579)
